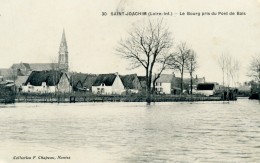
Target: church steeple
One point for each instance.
(63, 53)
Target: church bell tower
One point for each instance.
(63, 54)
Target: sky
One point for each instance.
(31, 32)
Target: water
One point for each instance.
(132, 132)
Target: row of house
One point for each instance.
(51, 81)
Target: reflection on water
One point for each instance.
(133, 132)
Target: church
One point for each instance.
(21, 69)
(46, 77)
(20, 73)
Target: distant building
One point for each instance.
(47, 82)
(77, 80)
(63, 62)
(131, 83)
(108, 84)
(20, 82)
(207, 89)
(195, 82)
(82, 82)
(89, 81)
(168, 84)
(163, 84)
(23, 69)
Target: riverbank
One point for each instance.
(75, 98)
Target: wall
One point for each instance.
(39, 89)
(204, 92)
(97, 89)
(137, 84)
(166, 87)
(64, 84)
(118, 86)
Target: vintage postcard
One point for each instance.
(129, 81)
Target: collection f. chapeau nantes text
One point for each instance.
(168, 13)
(41, 158)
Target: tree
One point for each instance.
(254, 70)
(147, 46)
(191, 66)
(235, 72)
(178, 60)
(222, 60)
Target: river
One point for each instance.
(131, 132)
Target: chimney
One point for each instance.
(116, 74)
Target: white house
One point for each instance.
(108, 84)
(47, 82)
(163, 84)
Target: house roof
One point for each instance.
(141, 78)
(76, 78)
(86, 80)
(36, 66)
(89, 81)
(107, 79)
(165, 78)
(128, 80)
(51, 78)
(20, 80)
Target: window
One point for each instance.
(161, 89)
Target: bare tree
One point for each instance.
(178, 60)
(191, 66)
(222, 60)
(228, 67)
(235, 72)
(254, 70)
(147, 46)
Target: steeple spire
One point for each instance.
(63, 39)
(63, 53)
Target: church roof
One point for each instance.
(43, 66)
(20, 65)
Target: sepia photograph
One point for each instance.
(129, 81)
